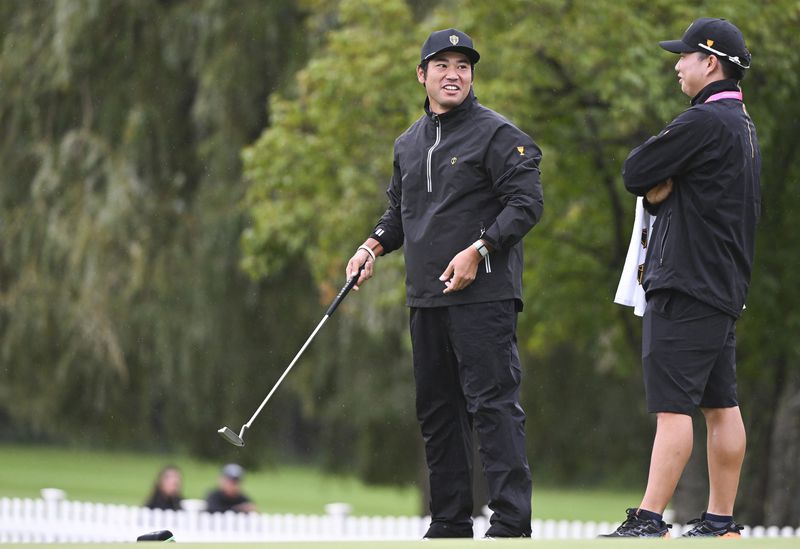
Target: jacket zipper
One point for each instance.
(749, 132)
(664, 238)
(430, 151)
(487, 264)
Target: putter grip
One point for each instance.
(343, 292)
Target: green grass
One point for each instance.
(772, 543)
(126, 478)
(585, 505)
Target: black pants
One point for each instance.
(468, 373)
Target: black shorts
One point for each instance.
(688, 354)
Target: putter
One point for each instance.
(238, 440)
(159, 535)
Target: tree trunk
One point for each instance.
(762, 407)
(782, 505)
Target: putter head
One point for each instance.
(158, 535)
(231, 436)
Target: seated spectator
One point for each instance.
(229, 496)
(166, 490)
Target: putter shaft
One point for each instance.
(238, 440)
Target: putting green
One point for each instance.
(747, 543)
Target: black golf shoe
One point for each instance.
(441, 530)
(498, 531)
(638, 527)
(704, 528)
(487, 537)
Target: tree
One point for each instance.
(588, 81)
(124, 318)
(317, 175)
(125, 314)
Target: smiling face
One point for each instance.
(696, 71)
(447, 80)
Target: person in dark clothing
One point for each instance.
(166, 492)
(464, 192)
(701, 177)
(229, 496)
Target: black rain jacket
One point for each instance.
(704, 236)
(460, 176)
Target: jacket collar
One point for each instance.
(727, 84)
(455, 113)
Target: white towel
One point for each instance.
(629, 290)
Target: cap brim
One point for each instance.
(471, 54)
(677, 46)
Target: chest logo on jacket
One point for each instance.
(521, 151)
(453, 161)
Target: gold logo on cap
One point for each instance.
(709, 42)
(521, 151)
(453, 39)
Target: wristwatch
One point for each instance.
(480, 245)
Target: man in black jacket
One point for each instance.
(701, 177)
(464, 192)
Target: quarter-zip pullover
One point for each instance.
(466, 174)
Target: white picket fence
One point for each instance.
(43, 521)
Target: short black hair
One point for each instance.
(732, 70)
(729, 69)
(424, 67)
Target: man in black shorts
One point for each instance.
(700, 177)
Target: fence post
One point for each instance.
(52, 503)
(337, 515)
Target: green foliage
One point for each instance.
(154, 152)
(318, 176)
(311, 170)
(588, 81)
(122, 309)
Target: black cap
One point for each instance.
(716, 36)
(448, 40)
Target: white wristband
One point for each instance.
(368, 250)
(480, 245)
